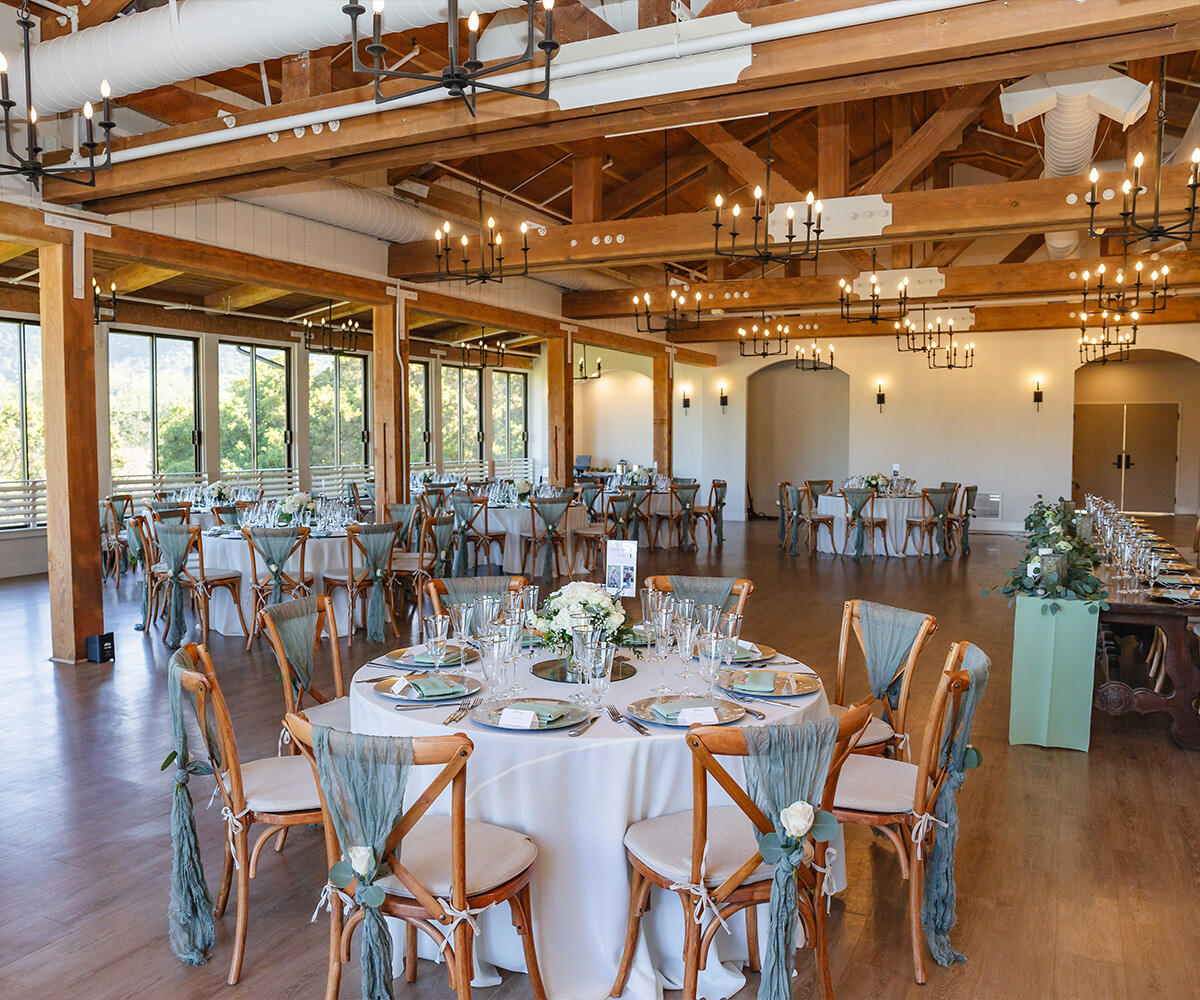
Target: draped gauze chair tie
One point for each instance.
(402, 514)
(939, 500)
(464, 511)
(781, 503)
(856, 500)
(794, 515)
(705, 589)
(719, 491)
(133, 536)
(161, 505)
(621, 510)
(228, 515)
(363, 779)
(967, 514)
(938, 905)
(888, 635)
(296, 622)
(441, 530)
(786, 764)
(686, 492)
(819, 487)
(191, 929)
(467, 588)
(589, 494)
(274, 545)
(376, 541)
(552, 511)
(173, 542)
(639, 492)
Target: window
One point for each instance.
(152, 394)
(22, 431)
(254, 407)
(460, 414)
(418, 413)
(337, 412)
(508, 415)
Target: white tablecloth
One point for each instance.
(897, 510)
(575, 797)
(513, 520)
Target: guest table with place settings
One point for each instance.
(897, 510)
(575, 796)
(512, 520)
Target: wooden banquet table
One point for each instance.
(897, 510)
(575, 797)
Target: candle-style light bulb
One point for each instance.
(32, 116)
(491, 222)
(472, 21)
(757, 193)
(87, 110)
(105, 90)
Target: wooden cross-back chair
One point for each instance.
(322, 709)
(436, 589)
(814, 520)
(643, 494)
(295, 584)
(357, 582)
(279, 792)
(673, 518)
(591, 536)
(412, 569)
(480, 534)
(891, 796)
(537, 536)
(781, 501)
(887, 734)
(175, 514)
(925, 523)
(871, 525)
(429, 856)
(715, 847)
(708, 512)
(741, 590)
(205, 582)
(113, 540)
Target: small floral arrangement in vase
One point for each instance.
(878, 482)
(295, 504)
(220, 492)
(523, 488)
(578, 599)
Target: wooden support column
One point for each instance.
(561, 411)
(664, 413)
(308, 74)
(587, 181)
(902, 253)
(390, 410)
(833, 152)
(72, 487)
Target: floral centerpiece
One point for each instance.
(581, 599)
(877, 481)
(427, 476)
(294, 505)
(220, 492)
(523, 488)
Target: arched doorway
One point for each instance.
(1137, 432)
(797, 428)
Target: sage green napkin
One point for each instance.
(429, 687)
(757, 681)
(670, 710)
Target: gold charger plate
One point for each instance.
(788, 684)
(471, 686)
(397, 656)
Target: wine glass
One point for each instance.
(686, 630)
(709, 647)
(584, 632)
(664, 619)
(487, 609)
(707, 615)
(729, 628)
(597, 672)
(491, 651)
(460, 614)
(512, 627)
(437, 628)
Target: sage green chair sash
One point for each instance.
(461, 589)
(856, 500)
(296, 622)
(720, 489)
(686, 494)
(369, 488)
(404, 515)
(784, 765)
(968, 512)
(464, 511)
(794, 509)
(621, 513)
(888, 635)
(682, 480)
(551, 511)
(191, 929)
(274, 545)
(377, 542)
(442, 530)
(123, 505)
(781, 503)
(938, 904)
(589, 493)
(173, 544)
(161, 505)
(640, 493)
(946, 485)
(363, 779)
(939, 500)
(819, 487)
(705, 589)
(229, 515)
(133, 540)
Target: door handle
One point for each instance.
(1117, 463)
(1128, 461)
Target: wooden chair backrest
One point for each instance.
(641, 497)
(741, 589)
(436, 589)
(783, 498)
(326, 625)
(452, 753)
(868, 508)
(354, 546)
(712, 492)
(852, 622)
(180, 514)
(300, 544)
(150, 553)
(535, 518)
(943, 714)
(427, 550)
(812, 484)
(122, 504)
(201, 683)
(479, 503)
(707, 743)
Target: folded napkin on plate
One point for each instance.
(670, 710)
(758, 681)
(1180, 594)
(545, 713)
(426, 658)
(1170, 581)
(428, 687)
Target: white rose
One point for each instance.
(1064, 546)
(360, 859)
(797, 819)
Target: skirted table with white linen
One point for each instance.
(575, 797)
(513, 520)
(897, 510)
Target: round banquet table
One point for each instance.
(897, 510)
(575, 797)
(513, 520)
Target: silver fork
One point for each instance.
(633, 724)
(463, 708)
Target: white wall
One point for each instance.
(614, 418)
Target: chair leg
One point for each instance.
(752, 962)
(639, 895)
(226, 882)
(691, 949)
(522, 914)
(821, 944)
(241, 841)
(235, 592)
(916, 885)
(462, 961)
(333, 978)
(410, 953)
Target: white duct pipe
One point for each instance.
(149, 49)
(1071, 103)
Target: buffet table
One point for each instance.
(896, 509)
(575, 797)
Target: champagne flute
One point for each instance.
(709, 649)
(686, 630)
(437, 628)
(664, 619)
(460, 614)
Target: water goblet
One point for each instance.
(707, 615)
(487, 610)
(663, 633)
(686, 630)
(512, 627)
(729, 627)
(529, 595)
(437, 628)
(461, 613)
(685, 607)
(491, 650)
(597, 672)
(709, 651)
(583, 632)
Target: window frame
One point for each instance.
(480, 433)
(365, 432)
(508, 377)
(289, 435)
(426, 431)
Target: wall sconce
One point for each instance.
(687, 398)
(724, 397)
(1037, 395)
(880, 396)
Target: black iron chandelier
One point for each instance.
(1111, 343)
(875, 313)
(924, 335)
(98, 302)
(329, 336)
(1134, 230)
(761, 250)
(1126, 297)
(30, 166)
(952, 356)
(478, 354)
(584, 375)
(674, 318)
(490, 265)
(758, 342)
(459, 78)
(811, 361)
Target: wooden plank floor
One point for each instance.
(1077, 873)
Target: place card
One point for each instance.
(704, 715)
(518, 718)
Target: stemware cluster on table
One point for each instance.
(1126, 545)
(703, 636)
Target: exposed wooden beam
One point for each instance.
(131, 277)
(902, 109)
(11, 251)
(742, 161)
(306, 75)
(560, 411)
(174, 105)
(644, 189)
(1142, 135)
(654, 12)
(389, 410)
(663, 401)
(587, 181)
(573, 22)
(90, 14)
(943, 254)
(243, 296)
(1028, 247)
(833, 152)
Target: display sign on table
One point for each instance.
(620, 568)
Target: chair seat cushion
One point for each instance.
(876, 785)
(592, 531)
(334, 713)
(495, 855)
(265, 581)
(878, 730)
(404, 562)
(664, 844)
(278, 784)
(221, 575)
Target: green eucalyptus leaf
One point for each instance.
(824, 827)
(341, 874)
(170, 760)
(771, 847)
(972, 758)
(370, 895)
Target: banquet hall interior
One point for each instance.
(585, 498)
